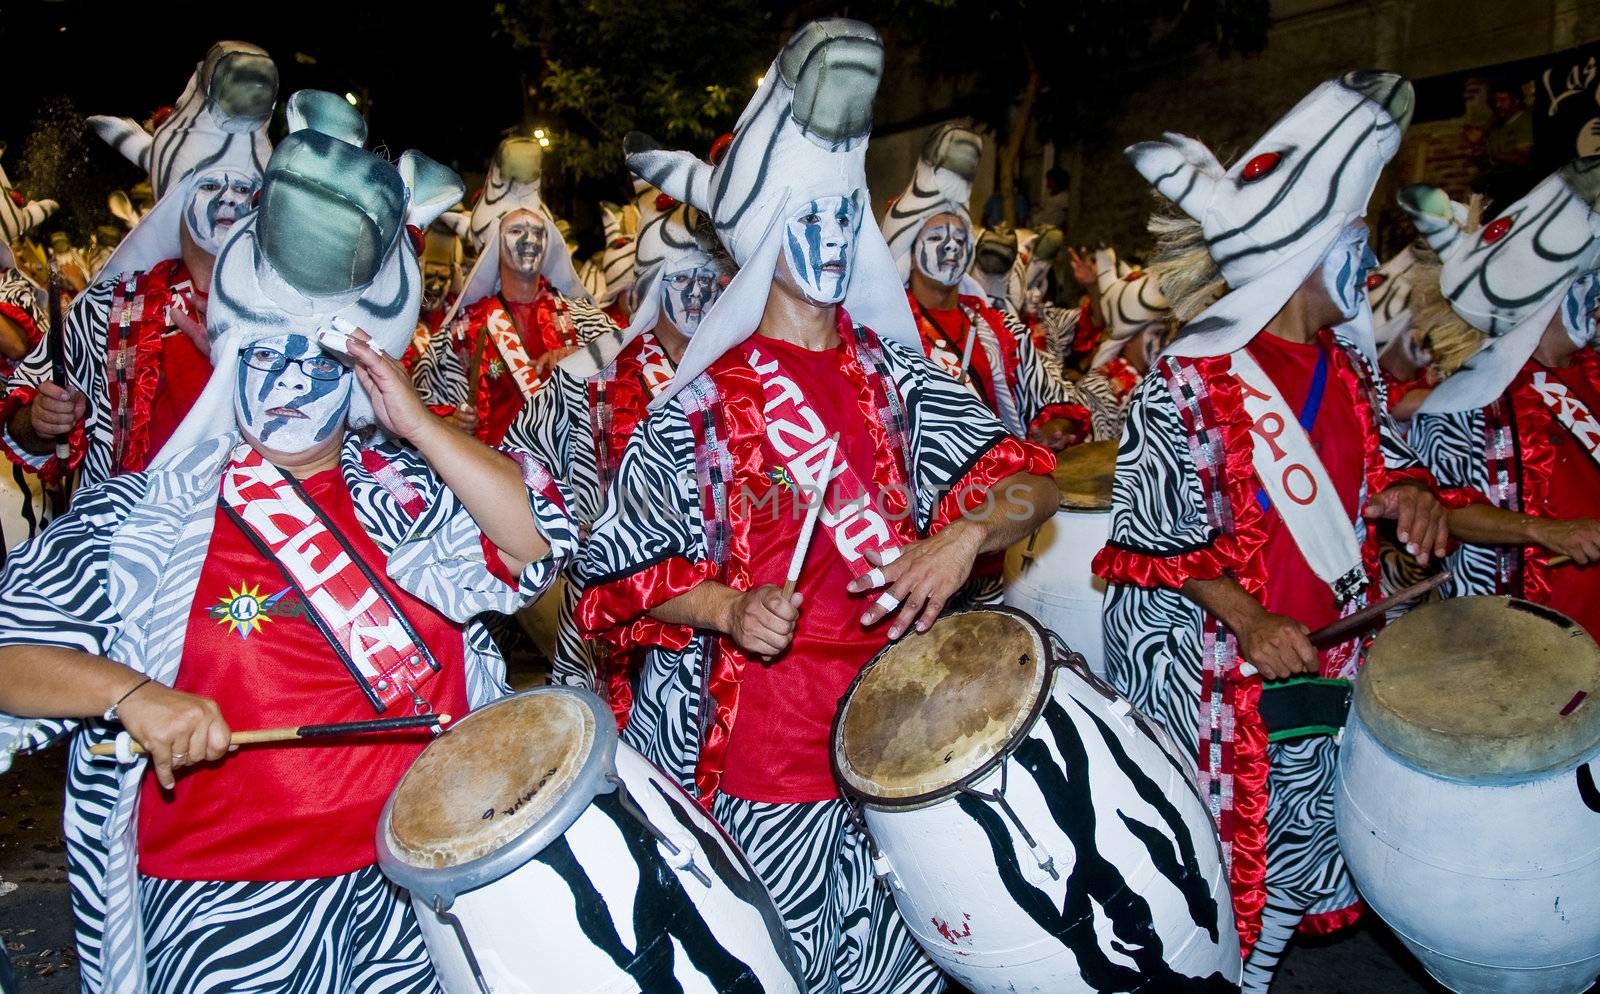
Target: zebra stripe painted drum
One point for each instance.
(1038, 833)
(1466, 801)
(1049, 575)
(542, 854)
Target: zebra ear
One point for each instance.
(328, 113)
(433, 188)
(1180, 168)
(125, 135)
(1438, 219)
(679, 175)
(458, 222)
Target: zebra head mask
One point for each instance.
(1509, 277)
(1287, 205)
(812, 113)
(326, 252)
(17, 215)
(222, 112)
(1028, 283)
(915, 226)
(1130, 299)
(992, 260)
(441, 265)
(512, 185)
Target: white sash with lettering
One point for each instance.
(1573, 414)
(655, 366)
(362, 624)
(798, 435)
(1294, 478)
(507, 340)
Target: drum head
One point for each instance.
(932, 710)
(509, 771)
(1084, 474)
(1483, 689)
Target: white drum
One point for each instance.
(1466, 800)
(24, 506)
(543, 855)
(1048, 576)
(1039, 834)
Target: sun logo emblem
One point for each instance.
(243, 610)
(781, 478)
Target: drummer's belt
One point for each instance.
(1303, 707)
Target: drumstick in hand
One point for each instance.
(810, 524)
(257, 735)
(1357, 623)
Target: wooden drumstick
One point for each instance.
(257, 735)
(1558, 561)
(1355, 624)
(810, 524)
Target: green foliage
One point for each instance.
(677, 70)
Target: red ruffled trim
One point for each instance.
(1139, 569)
(1247, 822)
(442, 410)
(1005, 458)
(1397, 389)
(497, 566)
(1076, 414)
(54, 470)
(1329, 922)
(1120, 373)
(23, 320)
(617, 611)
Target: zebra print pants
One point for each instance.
(351, 934)
(849, 936)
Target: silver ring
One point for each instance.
(177, 757)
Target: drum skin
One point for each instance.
(1142, 900)
(606, 909)
(1058, 587)
(1466, 803)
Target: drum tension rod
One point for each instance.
(1046, 862)
(441, 909)
(673, 849)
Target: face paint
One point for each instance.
(1344, 271)
(522, 242)
(687, 294)
(943, 249)
(819, 244)
(1578, 308)
(220, 198)
(291, 395)
(435, 284)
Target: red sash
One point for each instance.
(361, 622)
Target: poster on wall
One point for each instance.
(1495, 131)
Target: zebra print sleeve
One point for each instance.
(85, 340)
(950, 428)
(19, 302)
(1156, 504)
(543, 425)
(438, 374)
(1451, 446)
(590, 321)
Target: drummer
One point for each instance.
(285, 561)
(1256, 458)
(1535, 392)
(811, 339)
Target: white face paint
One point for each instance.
(1578, 309)
(1345, 269)
(820, 243)
(219, 198)
(1037, 288)
(292, 396)
(436, 279)
(522, 242)
(943, 249)
(688, 294)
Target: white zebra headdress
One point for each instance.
(327, 243)
(610, 275)
(1271, 219)
(1509, 277)
(512, 184)
(678, 239)
(1130, 299)
(17, 218)
(221, 116)
(1389, 291)
(992, 260)
(941, 184)
(802, 137)
(1036, 254)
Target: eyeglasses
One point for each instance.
(318, 367)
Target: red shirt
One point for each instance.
(539, 335)
(778, 749)
(1293, 589)
(184, 372)
(289, 811)
(1574, 492)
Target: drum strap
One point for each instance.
(1303, 707)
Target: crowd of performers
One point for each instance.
(317, 461)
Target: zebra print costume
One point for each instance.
(16, 218)
(24, 497)
(116, 576)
